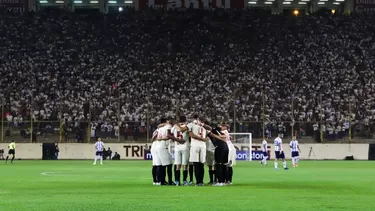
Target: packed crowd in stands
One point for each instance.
(104, 68)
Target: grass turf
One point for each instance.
(127, 185)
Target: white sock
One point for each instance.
(284, 164)
(101, 159)
(96, 158)
(297, 160)
(293, 161)
(275, 164)
(264, 161)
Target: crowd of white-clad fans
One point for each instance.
(118, 70)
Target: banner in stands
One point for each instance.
(202, 4)
(364, 6)
(14, 6)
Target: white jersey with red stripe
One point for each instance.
(227, 139)
(198, 131)
(181, 135)
(155, 143)
(162, 134)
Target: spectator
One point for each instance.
(57, 150)
(116, 156)
(109, 152)
(83, 67)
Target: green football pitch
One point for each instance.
(127, 185)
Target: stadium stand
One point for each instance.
(120, 69)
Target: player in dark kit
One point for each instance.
(221, 154)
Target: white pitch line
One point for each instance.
(47, 173)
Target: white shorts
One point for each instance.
(210, 158)
(154, 157)
(163, 157)
(181, 157)
(232, 157)
(197, 154)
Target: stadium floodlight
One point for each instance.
(337, 3)
(302, 2)
(321, 3)
(252, 2)
(246, 142)
(268, 2)
(305, 0)
(94, 2)
(128, 2)
(77, 2)
(120, 9)
(340, 0)
(43, 2)
(287, 2)
(112, 2)
(59, 2)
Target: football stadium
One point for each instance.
(187, 105)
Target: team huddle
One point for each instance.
(196, 144)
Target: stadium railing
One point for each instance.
(131, 131)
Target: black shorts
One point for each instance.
(221, 154)
(12, 152)
(265, 154)
(99, 153)
(295, 154)
(279, 155)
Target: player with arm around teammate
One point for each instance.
(232, 152)
(279, 152)
(155, 159)
(210, 154)
(164, 136)
(294, 147)
(11, 151)
(198, 135)
(181, 151)
(221, 155)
